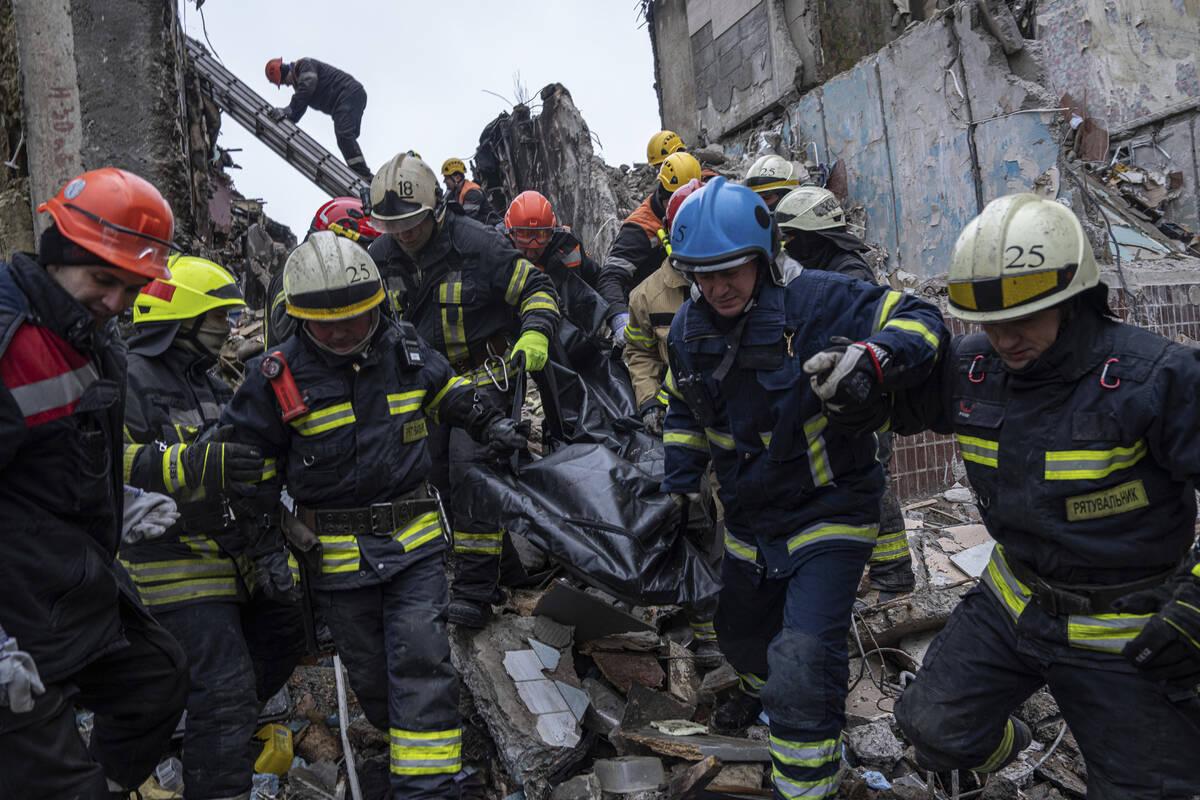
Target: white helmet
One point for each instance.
(772, 173)
(1021, 255)
(403, 191)
(328, 277)
(809, 208)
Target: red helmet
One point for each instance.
(275, 71)
(347, 212)
(118, 217)
(678, 197)
(529, 220)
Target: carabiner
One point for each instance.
(971, 372)
(1104, 375)
(494, 362)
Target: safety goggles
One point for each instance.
(1000, 294)
(141, 247)
(531, 237)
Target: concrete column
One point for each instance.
(49, 98)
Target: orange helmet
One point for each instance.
(118, 217)
(275, 71)
(530, 221)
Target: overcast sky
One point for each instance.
(425, 66)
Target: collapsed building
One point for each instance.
(914, 113)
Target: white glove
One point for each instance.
(845, 375)
(618, 323)
(19, 679)
(148, 515)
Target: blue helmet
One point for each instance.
(720, 225)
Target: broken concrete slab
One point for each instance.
(646, 705)
(683, 680)
(532, 747)
(923, 610)
(629, 773)
(974, 560)
(876, 744)
(553, 633)
(623, 670)
(638, 641)
(696, 748)
(957, 538)
(679, 727)
(941, 569)
(741, 779)
(606, 709)
(590, 616)
(581, 787)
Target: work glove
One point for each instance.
(536, 348)
(19, 679)
(652, 419)
(273, 575)
(148, 515)
(219, 465)
(278, 114)
(1168, 648)
(619, 323)
(503, 435)
(848, 377)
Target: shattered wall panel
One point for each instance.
(1131, 57)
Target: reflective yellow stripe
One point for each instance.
(1013, 594)
(912, 326)
(324, 419)
(703, 631)
(827, 531)
(342, 312)
(669, 384)
(423, 529)
(130, 455)
(686, 439)
(792, 789)
(1069, 465)
(539, 301)
(886, 306)
(164, 582)
(516, 284)
(805, 754)
(425, 752)
(817, 463)
(639, 337)
(269, 470)
(404, 402)
(1002, 752)
(454, 333)
(172, 468)
(661, 397)
(436, 402)
(890, 547)
(979, 451)
(719, 438)
(739, 549)
(339, 554)
(485, 544)
(750, 683)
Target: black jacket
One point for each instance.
(635, 253)
(321, 86)
(61, 408)
(1084, 483)
(469, 288)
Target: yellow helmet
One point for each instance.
(661, 145)
(1022, 254)
(773, 173)
(328, 277)
(196, 286)
(453, 165)
(677, 169)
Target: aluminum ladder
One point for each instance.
(252, 112)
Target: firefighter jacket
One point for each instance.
(836, 251)
(635, 253)
(172, 397)
(467, 293)
(652, 306)
(1084, 462)
(321, 86)
(361, 443)
(789, 481)
(60, 472)
(472, 202)
(565, 254)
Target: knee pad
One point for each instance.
(797, 693)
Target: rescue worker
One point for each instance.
(638, 248)
(1080, 439)
(331, 91)
(772, 176)
(661, 145)
(467, 291)
(531, 226)
(344, 408)
(652, 305)
(801, 497)
(466, 195)
(241, 636)
(67, 610)
(342, 215)
(813, 228)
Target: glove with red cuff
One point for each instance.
(849, 378)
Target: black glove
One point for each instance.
(1168, 648)
(652, 419)
(502, 435)
(849, 377)
(277, 114)
(273, 575)
(219, 465)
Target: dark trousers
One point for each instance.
(137, 693)
(1137, 736)
(392, 637)
(891, 562)
(347, 124)
(238, 656)
(787, 639)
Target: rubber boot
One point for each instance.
(736, 713)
